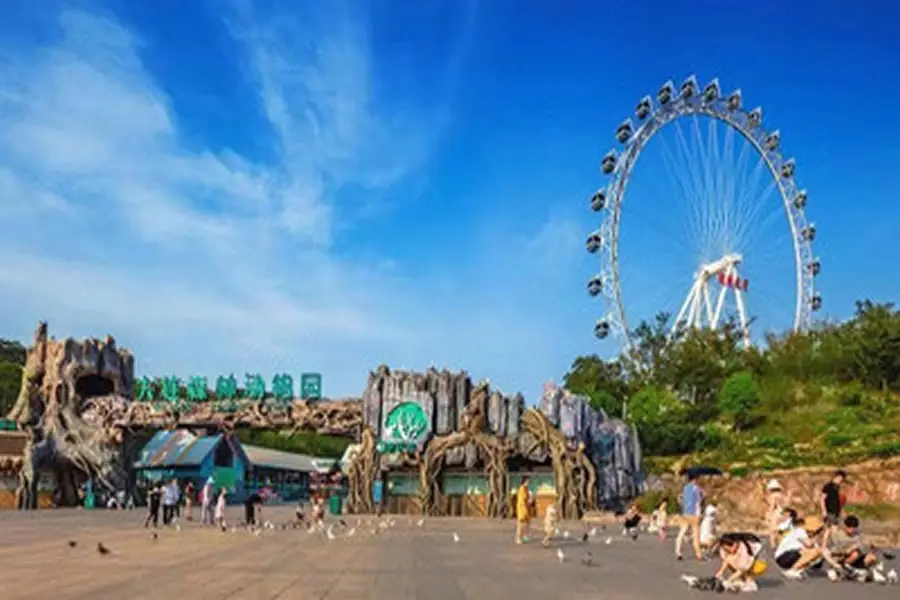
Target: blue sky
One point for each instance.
(233, 186)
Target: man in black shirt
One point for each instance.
(832, 505)
(153, 498)
(253, 503)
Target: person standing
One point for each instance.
(523, 511)
(252, 508)
(153, 499)
(189, 501)
(832, 504)
(206, 502)
(691, 503)
(169, 499)
(220, 508)
(774, 510)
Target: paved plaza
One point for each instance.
(402, 562)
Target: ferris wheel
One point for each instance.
(727, 220)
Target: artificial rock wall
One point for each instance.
(443, 396)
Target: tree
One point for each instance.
(662, 422)
(10, 382)
(12, 359)
(603, 382)
(738, 398)
(12, 351)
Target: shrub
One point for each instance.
(738, 398)
(649, 501)
(834, 440)
(774, 442)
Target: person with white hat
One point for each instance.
(775, 510)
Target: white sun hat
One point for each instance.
(773, 486)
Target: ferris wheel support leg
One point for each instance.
(720, 303)
(688, 302)
(742, 315)
(706, 301)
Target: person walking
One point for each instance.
(206, 502)
(153, 499)
(832, 504)
(691, 504)
(523, 511)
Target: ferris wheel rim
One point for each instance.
(739, 119)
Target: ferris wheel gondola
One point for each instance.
(703, 304)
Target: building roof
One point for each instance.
(286, 461)
(177, 448)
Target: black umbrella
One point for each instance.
(700, 471)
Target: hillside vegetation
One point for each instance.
(829, 396)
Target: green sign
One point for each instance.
(311, 386)
(404, 428)
(182, 395)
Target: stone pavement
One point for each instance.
(402, 562)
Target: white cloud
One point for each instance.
(208, 261)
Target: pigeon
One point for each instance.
(584, 538)
(560, 555)
(258, 532)
(72, 543)
(892, 576)
(351, 532)
(177, 527)
(593, 531)
(587, 559)
(154, 536)
(888, 555)
(566, 534)
(878, 577)
(420, 522)
(455, 537)
(103, 550)
(342, 523)
(556, 531)
(608, 541)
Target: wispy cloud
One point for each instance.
(207, 260)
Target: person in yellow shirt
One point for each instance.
(523, 511)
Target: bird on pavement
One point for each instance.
(455, 537)
(584, 538)
(587, 559)
(560, 555)
(103, 550)
(72, 543)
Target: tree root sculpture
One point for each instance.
(361, 474)
(573, 473)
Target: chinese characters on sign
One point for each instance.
(226, 395)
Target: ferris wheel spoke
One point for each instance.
(678, 171)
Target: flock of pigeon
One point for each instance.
(342, 529)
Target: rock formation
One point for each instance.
(594, 459)
(63, 385)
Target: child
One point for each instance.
(220, 509)
(708, 528)
(632, 521)
(551, 518)
(659, 520)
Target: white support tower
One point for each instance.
(698, 310)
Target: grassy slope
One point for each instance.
(820, 425)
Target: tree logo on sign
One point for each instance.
(407, 422)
